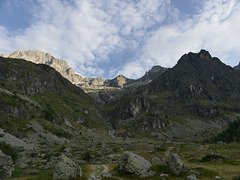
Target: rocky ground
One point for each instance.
(98, 156)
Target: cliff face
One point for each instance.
(39, 57)
(199, 86)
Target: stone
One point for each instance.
(175, 163)
(193, 172)
(192, 177)
(30, 171)
(163, 175)
(135, 164)
(6, 165)
(23, 166)
(66, 168)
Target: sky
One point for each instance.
(105, 38)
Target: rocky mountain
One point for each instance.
(86, 83)
(39, 57)
(36, 93)
(237, 67)
(197, 87)
(52, 129)
(152, 74)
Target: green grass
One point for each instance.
(9, 150)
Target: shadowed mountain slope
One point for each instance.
(199, 86)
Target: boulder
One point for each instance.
(66, 168)
(6, 165)
(135, 164)
(175, 163)
(192, 177)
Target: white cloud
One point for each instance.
(215, 28)
(85, 32)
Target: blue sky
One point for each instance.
(110, 37)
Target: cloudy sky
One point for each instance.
(110, 37)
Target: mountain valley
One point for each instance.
(172, 123)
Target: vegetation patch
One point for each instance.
(9, 150)
(212, 157)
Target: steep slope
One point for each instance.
(38, 93)
(237, 67)
(199, 87)
(39, 57)
(87, 83)
(152, 74)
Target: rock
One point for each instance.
(30, 171)
(220, 160)
(192, 177)
(193, 172)
(23, 166)
(66, 168)
(135, 164)
(6, 164)
(163, 175)
(175, 163)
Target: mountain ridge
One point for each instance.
(197, 87)
(87, 83)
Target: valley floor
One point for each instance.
(98, 159)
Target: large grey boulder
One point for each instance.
(66, 168)
(175, 163)
(135, 164)
(6, 165)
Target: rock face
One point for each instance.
(175, 163)
(152, 74)
(5, 165)
(135, 164)
(66, 168)
(197, 86)
(86, 83)
(119, 81)
(39, 57)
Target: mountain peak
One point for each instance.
(203, 58)
(205, 54)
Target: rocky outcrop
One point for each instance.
(119, 81)
(175, 163)
(6, 164)
(152, 74)
(66, 169)
(39, 57)
(135, 164)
